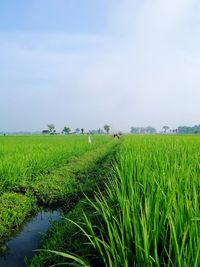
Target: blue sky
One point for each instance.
(84, 63)
(72, 16)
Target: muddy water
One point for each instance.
(25, 242)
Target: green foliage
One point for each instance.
(65, 184)
(14, 209)
(143, 130)
(65, 235)
(107, 128)
(149, 215)
(66, 130)
(165, 128)
(23, 158)
(189, 130)
(51, 128)
(59, 185)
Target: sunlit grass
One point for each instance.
(149, 215)
(59, 182)
(22, 158)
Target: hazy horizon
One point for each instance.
(88, 63)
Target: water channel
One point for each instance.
(23, 244)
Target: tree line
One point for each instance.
(166, 129)
(67, 130)
(189, 130)
(133, 130)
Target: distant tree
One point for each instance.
(82, 130)
(77, 130)
(150, 130)
(142, 130)
(189, 130)
(134, 130)
(107, 128)
(66, 130)
(51, 128)
(165, 128)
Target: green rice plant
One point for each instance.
(90, 173)
(60, 186)
(23, 158)
(149, 214)
(67, 183)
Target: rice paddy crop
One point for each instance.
(149, 215)
(22, 158)
(44, 171)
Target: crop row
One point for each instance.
(60, 186)
(22, 159)
(149, 215)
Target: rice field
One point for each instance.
(145, 212)
(43, 171)
(149, 215)
(22, 158)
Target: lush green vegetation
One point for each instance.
(66, 183)
(22, 159)
(44, 171)
(63, 235)
(189, 130)
(149, 215)
(14, 209)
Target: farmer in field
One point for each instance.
(116, 136)
(89, 139)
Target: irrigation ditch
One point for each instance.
(55, 196)
(28, 239)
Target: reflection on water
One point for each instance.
(23, 244)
